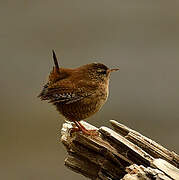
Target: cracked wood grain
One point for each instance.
(121, 154)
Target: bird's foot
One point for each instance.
(89, 132)
(74, 129)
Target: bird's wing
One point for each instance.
(63, 94)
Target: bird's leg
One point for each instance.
(75, 128)
(92, 132)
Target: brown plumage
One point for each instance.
(77, 93)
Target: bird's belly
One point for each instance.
(82, 109)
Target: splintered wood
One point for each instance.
(117, 154)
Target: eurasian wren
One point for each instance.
(77, 93)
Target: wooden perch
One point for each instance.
(117, 154)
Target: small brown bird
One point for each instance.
(77, 93)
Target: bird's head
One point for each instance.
(98, 71)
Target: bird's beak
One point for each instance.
(112, 70)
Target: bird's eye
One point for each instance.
(101, 71)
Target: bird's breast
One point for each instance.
(86, 107)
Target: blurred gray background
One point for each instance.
(140, 36)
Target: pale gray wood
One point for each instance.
(150, 146)
(126, 147)
(123, 153)
(136, 172)
(166, 167)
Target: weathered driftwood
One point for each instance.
(120, 154)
